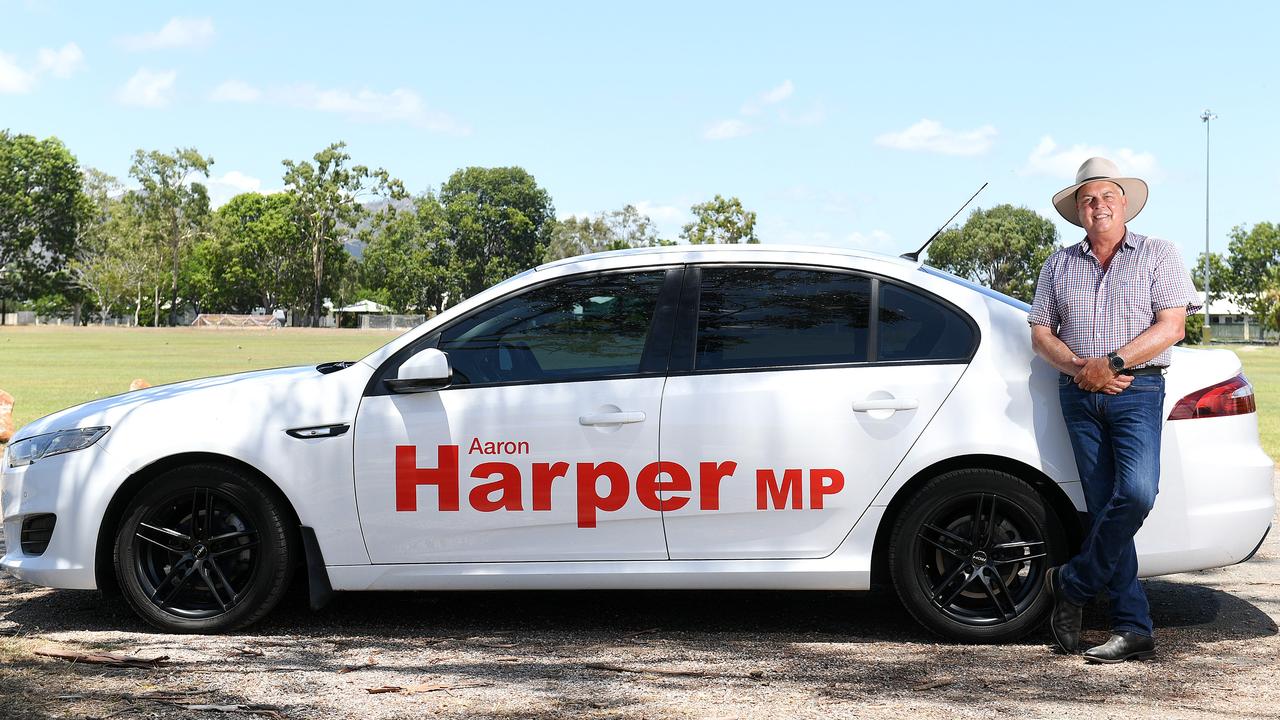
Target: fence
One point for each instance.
(235, 321)
(390, 322)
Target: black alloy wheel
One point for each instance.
(969, 554)
(203, 549)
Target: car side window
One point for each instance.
(581, 328)
(914, 327)
(780, 317)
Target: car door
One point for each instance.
(789, 407)
(554, 404)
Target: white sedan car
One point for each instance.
(685, 417)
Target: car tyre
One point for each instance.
(969, 552)
(204, 549)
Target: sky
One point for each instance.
(859, 125)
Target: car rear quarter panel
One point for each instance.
(990, 411)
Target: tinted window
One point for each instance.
(580, 328)
(913, 327)
(771, 317)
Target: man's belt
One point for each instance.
(1148, 370)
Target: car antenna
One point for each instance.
(915, 256)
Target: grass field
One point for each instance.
(1262, 367)
(50, 368)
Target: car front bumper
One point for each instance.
(62, 485)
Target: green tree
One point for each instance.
(408, 260)
(579, 236)
(617, 230)
(721, 220)
(120, 264)
(89, 271)
(1219, 275)
(1192, 330)
(41, 208)
(175, 207)
(1002, 248)
(255, 257)
(499, 222)
(328, 195)
(1253, 276)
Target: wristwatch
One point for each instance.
(1116, 362)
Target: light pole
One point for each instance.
(1206, 116)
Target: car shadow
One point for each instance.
(1183, 613)
(580, 651)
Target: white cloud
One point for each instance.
(224, 187)
(177, 33)
(930, 136)
(668, 219)
(148, 89)
(778, 94)
(239, 181)
(660, 213)
(772, 96)
(61, 62)
(756, 106)
(235, 91)
(727, 129)
(13, 79)
(1052, 161)
(399, 105)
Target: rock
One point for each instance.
(6, 416)
(138, 384)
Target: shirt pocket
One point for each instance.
(1135, 298)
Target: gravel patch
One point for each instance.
(639, 655)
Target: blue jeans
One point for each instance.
(1116, 440)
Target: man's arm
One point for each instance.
(1169, 328)
(1095, 373)
(1056, 353)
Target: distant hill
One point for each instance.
(353, 245)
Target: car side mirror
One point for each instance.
(425, 371)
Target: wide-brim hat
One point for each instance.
(1135, 189)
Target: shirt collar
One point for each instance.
(1130, 241)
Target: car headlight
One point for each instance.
(29, 450)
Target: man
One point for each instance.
(1106, 312)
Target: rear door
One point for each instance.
(788, 407)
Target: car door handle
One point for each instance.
(611, 418)
(886, 404)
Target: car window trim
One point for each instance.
(659, 333)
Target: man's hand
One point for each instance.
(1118, 384)
(1095, 375)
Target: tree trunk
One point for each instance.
(317, 268)
(155, 319)
(173, 299)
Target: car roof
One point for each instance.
(697, 253)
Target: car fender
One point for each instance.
(247, 423)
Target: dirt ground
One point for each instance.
(639, 655)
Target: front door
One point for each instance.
(532, 453)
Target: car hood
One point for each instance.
(112, 410)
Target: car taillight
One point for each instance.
(1233, 397)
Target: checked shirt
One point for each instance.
(1095, 312)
